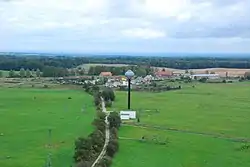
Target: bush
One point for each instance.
(45, 86)
(203, 80)
(112, 147)
(241, 79)
(114, 120)
(224, 81)
(83, 164)
(108, 103)
(105, 162)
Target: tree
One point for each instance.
(207, 72)
(114, 120)
(38, 73)
(83, 164)
(112, 147)
(28, 73)
(83, 148)
(101, 115)
(97, 99)
(12, 74)
(97, 140)
(108, 94)
(226, 74)
(99, 124)
(247, 75)
(203, 80)
(105, 162)
(81, 71)
(22, 73)
(1, 74)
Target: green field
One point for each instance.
(198, 115)
(26, 115)
(5, 73)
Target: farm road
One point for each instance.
(107, 132)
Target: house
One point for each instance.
(209, 76)
(127, 115)
(164, 74)
(148, 78)
(105, 74)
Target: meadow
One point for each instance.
(26, 115)
(5, 73)
(207, 120)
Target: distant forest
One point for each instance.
(44, 63)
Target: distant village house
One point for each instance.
(164, 74)
(106, 74)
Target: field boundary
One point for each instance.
(233, 139)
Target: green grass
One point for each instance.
(211, 108)
(25, 121)
(219, 109)
(5, 73)
(183, 150)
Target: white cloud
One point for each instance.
(144, 33)
(121, 20)
(160, 8)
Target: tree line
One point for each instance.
(16, 62)
(88, 149)
(139, 70)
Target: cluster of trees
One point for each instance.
(16, 62)
(24, 73)
(139, 70)
(107, 94)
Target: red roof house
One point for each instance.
(163, 73)
(106, 74)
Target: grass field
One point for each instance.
(25, 121)
(212, 109)
(5, 73)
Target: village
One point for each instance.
(107, 79)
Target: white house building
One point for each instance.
(126, 115)
(209, 76)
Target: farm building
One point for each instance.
(163, 74)
(126, 115)
(105, 74)
(209, 76)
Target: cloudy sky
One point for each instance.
(125, 25)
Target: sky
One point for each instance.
(79, 26)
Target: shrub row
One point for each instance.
(87, 149)
(113, 145)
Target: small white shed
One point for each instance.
(126, 115)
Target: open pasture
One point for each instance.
(212, 108)
(204, 126)
(26, 115)
(181, 150)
